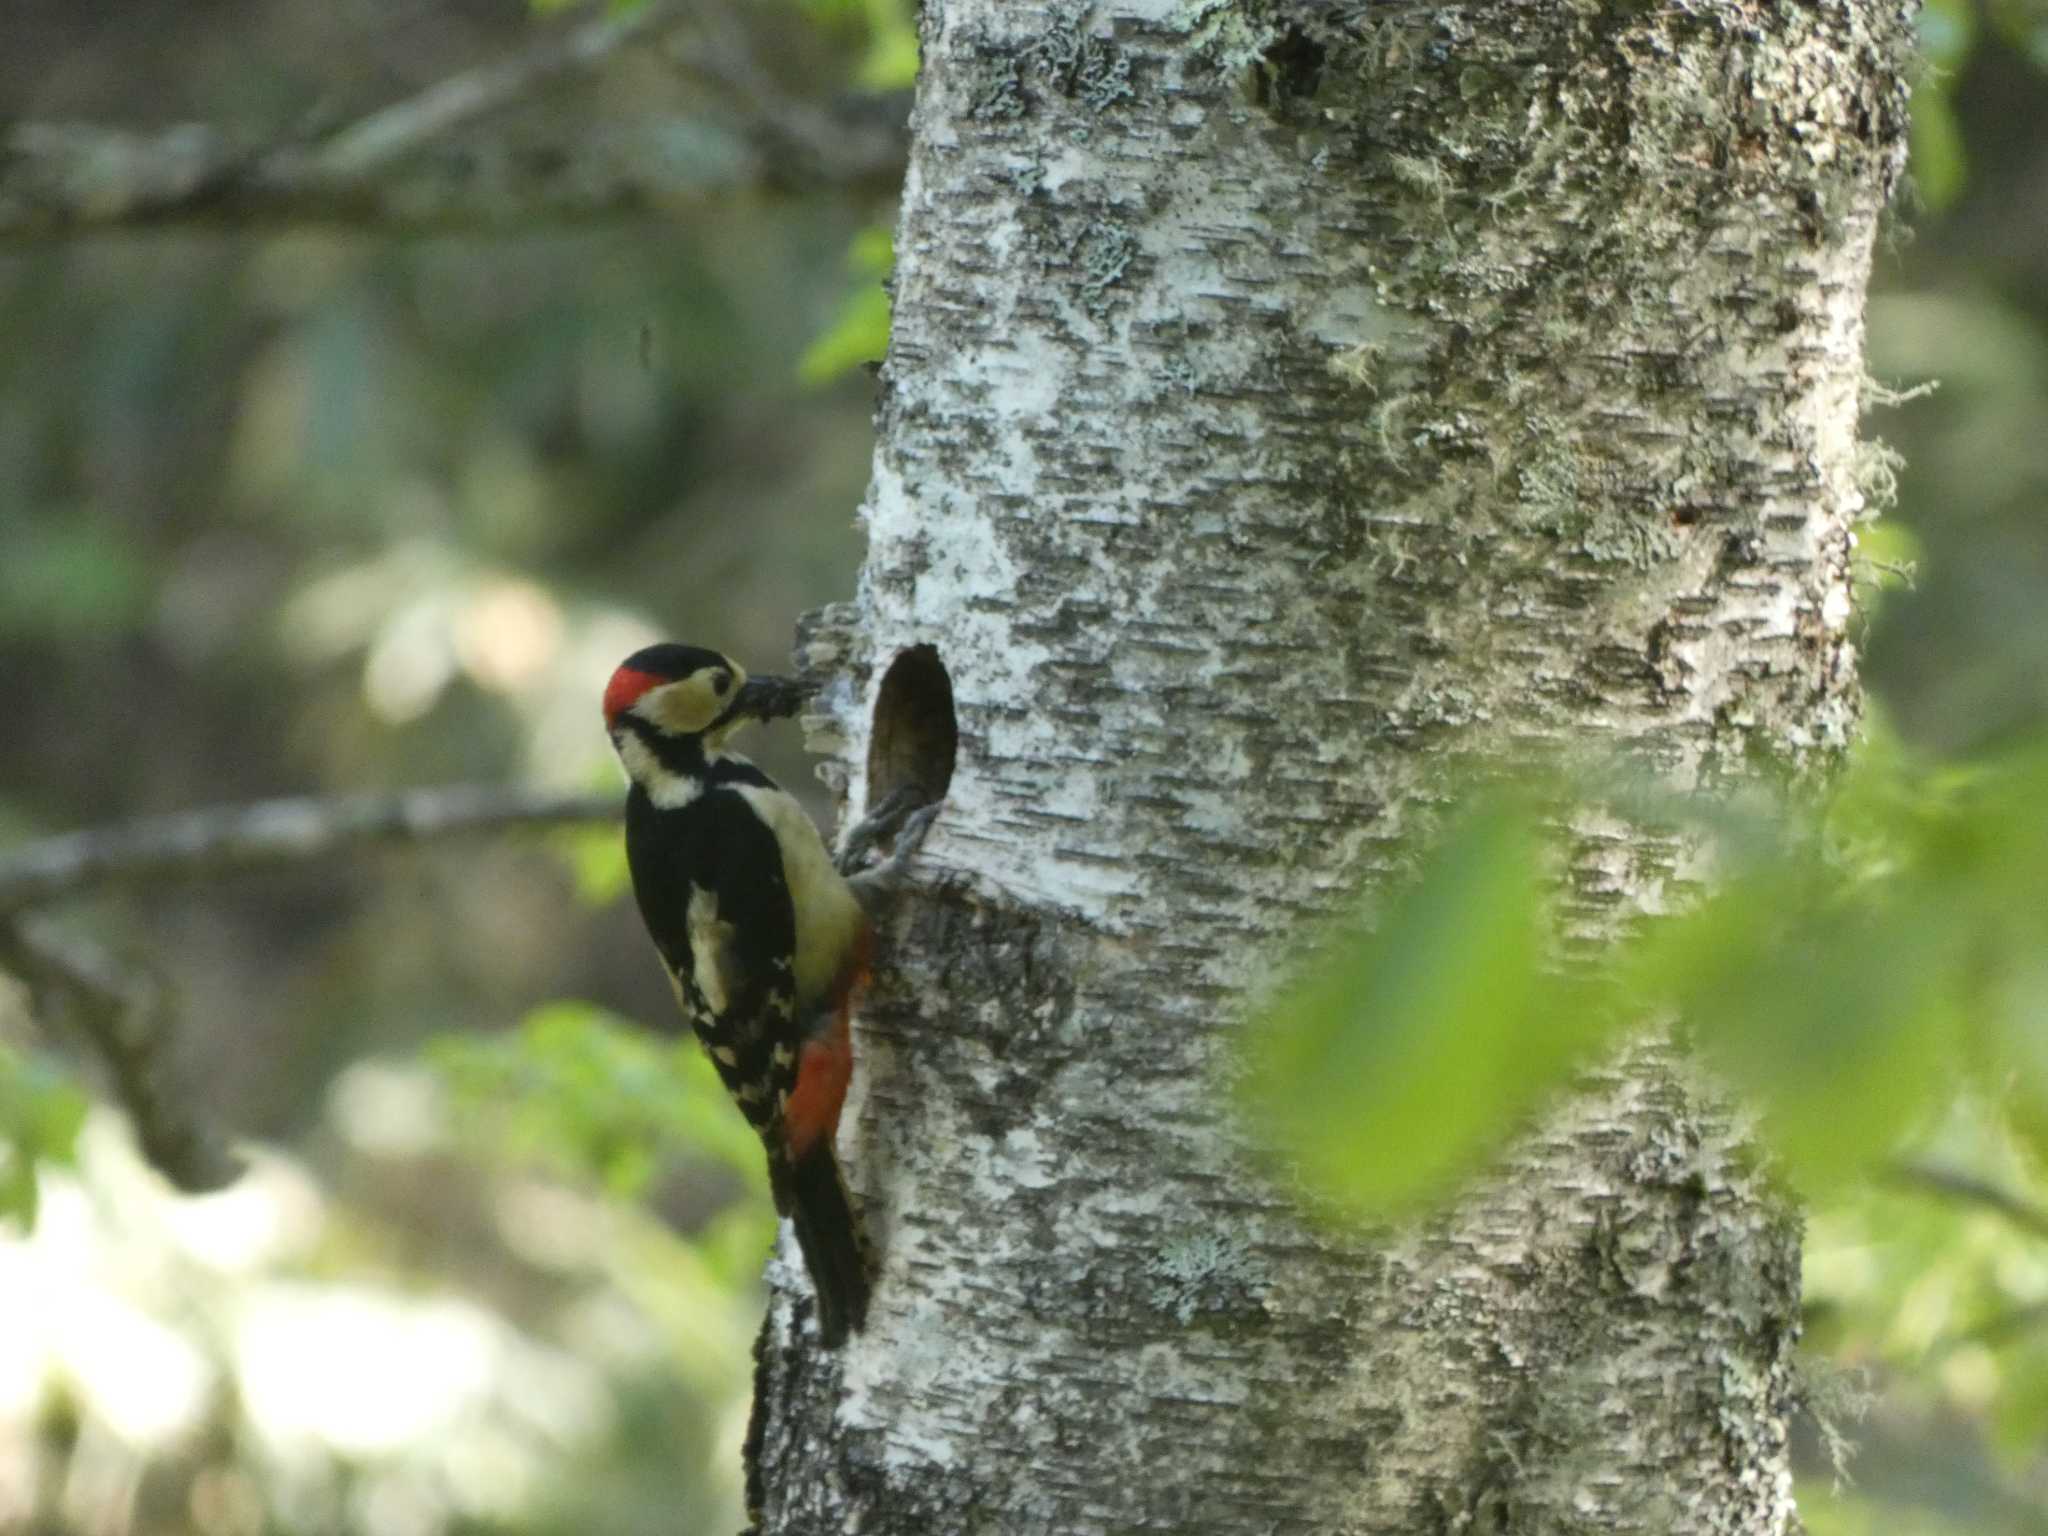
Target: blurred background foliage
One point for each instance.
(323, 509)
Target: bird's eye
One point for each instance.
(720, 682)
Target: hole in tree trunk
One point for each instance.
(915, 738)
(1292, 68)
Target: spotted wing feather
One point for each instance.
(712, 890)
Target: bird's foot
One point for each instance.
(878, 826)
(883, 877)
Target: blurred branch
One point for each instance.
(236, 837)
(811, 145)
(120, 1012)
(392, 169)
(122, 1016)
(393, 132)
(1954, 1184)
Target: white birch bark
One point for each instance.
(1288, 402)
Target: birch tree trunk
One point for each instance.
(1286, 403)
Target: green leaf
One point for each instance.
(1856, 956)
(860, 332)
(1410, 1051)
(872, 252)
(1938, 160)
(859, 335)
(1837, 1017)
(891, 60)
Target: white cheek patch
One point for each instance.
(687, 706)
(711, 959)
(669, 790)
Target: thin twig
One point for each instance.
(121, 1014)
(392, 132)
(1955, 1184)
(266, 832)
(807, 143)
(395, 168)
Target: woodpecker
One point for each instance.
(760, 933)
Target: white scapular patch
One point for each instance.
(669, 790)
(828, 917)
(684, 1001)
(710, 950)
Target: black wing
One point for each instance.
(709, 880)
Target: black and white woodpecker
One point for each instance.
(763, 938)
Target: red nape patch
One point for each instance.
(624, 690)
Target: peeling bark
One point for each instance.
(1288, 405)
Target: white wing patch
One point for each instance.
(711, 951)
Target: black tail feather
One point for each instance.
(816, 1202)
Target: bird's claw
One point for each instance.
(878, 826)
(907, 822)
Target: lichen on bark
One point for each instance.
(1288, 405)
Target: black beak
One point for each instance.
(767, 698)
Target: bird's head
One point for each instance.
(683, 699)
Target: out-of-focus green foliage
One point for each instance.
(1833, 1014)
(1410, 1049)
(315, 511)
(286, 1357)
(594, 1097)
(1950, 33)
(884, 32)
(596, 857)
(1871, 972)
(888, 59)
(860, 333)
(1846, 979)
(1853, 961)
(1948, 30)
(1939, 1303)
(69, 579)
(41, 1111)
